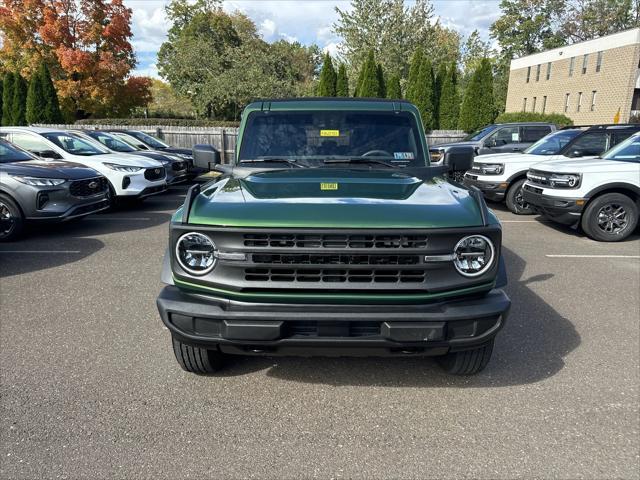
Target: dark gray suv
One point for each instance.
(498, 138)
(36, 189)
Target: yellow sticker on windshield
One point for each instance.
(328, 186)
(329, 133)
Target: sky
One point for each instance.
(305, 21)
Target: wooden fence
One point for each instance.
(224, 138)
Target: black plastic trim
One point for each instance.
(192, 193)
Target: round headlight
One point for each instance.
(196, 253)
(473, 255)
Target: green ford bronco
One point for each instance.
(331, 235)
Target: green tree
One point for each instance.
(342, 82)
(36, 102)
(449, 104)
(478, 108)
(382, 84)
(394, 90)
(328, 78)
(52, 113)
(587, 19)
(425, 94)
(370, 84)
(437, 92)
(414, 71)
(19, 104)
(1, 85)
(7, 99)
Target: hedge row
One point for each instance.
(165, 122)
(556, 118)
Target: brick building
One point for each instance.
(588, 81)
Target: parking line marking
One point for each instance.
(592, 256)
(39, 251)
(133, 219)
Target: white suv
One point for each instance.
(129, 176)
(600, 194)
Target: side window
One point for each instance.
(588, 144)
(504, 136)
(29, 142)
(618, 137)
(534, 133)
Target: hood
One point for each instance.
(157, 155)
(586, 165)
(510, 158)
(332, 198)
(176, 150)
(435, 147)
(122, 159)
(48, 169)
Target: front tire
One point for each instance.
(515, 202)
(611, 217)
(467, 362)
(196, 359)
(11, 219)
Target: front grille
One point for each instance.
(539, 178)
(304, 328)
(152, 174)
(326, 259)
(88, 187)
(280, 240)
(87, 209)
(178, 166)
(335, 275)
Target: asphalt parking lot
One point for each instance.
(90, 387)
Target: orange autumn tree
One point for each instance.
(86, 45)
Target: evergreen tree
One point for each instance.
(437, 92)
(449, 104)
(424, 94)
(382, 86)
(393, 87)
(342, 83)
(414, 70)
(328, 78)
(19, 104)
(36, 101)
(7, 99)
(478, 107)
(52, 113)
(370, 86)
(1, 83)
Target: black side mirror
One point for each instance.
(459, 158)
(48, 154)
(205, 156)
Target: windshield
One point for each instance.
(627, 151)
(552, 143)
(111, 142)
(74, 145)
(322, 135)
(153, 142)
(480, 134)
(10, 153)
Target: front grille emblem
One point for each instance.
(157, 171)
(93, 185)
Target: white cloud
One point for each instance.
(148, 71)
(331, 48)
(268, 28)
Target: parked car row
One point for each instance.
(56, 175)
(578, 176)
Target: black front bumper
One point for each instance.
(559, 209)
(494, 191)
(345, 330)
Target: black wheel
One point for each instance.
(467, 362)
(195, 359)
(11, 219)
(514, 199)
(610, 218)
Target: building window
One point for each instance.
(593, 100)
(533, 104)
(544, 104)
(571, 65)
(538, 73)
(585, 61)
(579, 102)
(524, 104)
(528, 74)
(548, 70)
(599, 62)
(566, 102)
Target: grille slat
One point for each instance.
(88, 187)
(319, 241)
(334, 275)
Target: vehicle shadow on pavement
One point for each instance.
(530, 348)
(51, 245)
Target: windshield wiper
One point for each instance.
(357, 160)
(274, 159)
